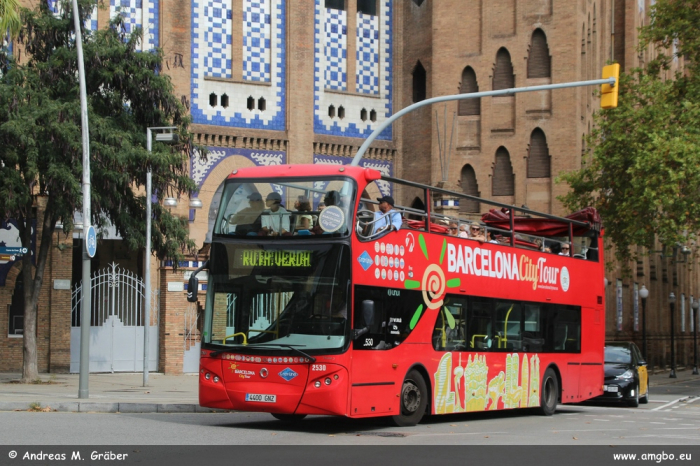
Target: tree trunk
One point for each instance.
(30, 370)
(32, 288)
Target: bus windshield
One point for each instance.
(278, 295)
(286, 207)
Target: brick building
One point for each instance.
(305, 81)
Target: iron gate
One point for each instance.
(116, 326)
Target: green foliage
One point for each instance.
(643, 173)
(40, 130)
(10, 20)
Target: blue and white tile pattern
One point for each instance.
(139, 13)
(335, 49)
(372, 95)
(367, 71)
(217, 58)
(264, 60)
(256, 40)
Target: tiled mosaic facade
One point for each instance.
(367, 77)
(256, 40)
(217, 57)
(335, 49)
(139, 13)
(358, 113)
(90, 23)
(257, 98)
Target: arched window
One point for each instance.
(419, 83)
(335, 4)
(539, 160)
(367, 7)
(419, 205)
(469, 85)
(469, 186)
(503, 178)
(539, 61)
(503, 77)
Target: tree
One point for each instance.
(643, 173)
(9, 17)
(41, 144)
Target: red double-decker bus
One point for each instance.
(312, 307)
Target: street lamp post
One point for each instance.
(164, 134)
(644, 294)
(695, 306)
(165, 137)
(672, 302)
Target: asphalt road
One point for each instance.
(671, 418)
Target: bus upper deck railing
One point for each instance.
(582, 245)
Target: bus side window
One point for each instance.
(533, 337)
(479, 325)
(450, 327)
(563, 328)
(508, 326)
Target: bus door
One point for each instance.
(383, 319)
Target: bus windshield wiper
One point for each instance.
(222, 351)
(291, 347)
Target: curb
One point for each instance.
(92, 407)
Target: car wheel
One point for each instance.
(634, 402)
(549, 393)
(645, 399)
(414, 399)
(289, 417)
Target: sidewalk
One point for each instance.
(124, 392)
(108, 393)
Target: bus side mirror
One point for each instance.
(368, 316)
(192, 287)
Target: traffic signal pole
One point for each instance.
(610, 82)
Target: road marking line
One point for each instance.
(669, 404)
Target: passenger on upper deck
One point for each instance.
(247, 220)
(386, 217)
(303, 221)
(275, 219)
(463, 231)
(564, 250)
(453, 229)
(475, 232)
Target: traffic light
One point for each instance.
(609, 93)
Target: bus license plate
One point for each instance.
(261, 398)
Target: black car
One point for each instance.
(626, 376)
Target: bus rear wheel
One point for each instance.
(549, 393)
(414, 400)
(289, 417)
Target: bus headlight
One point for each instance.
(328, 381)
(207, 376)
(317, 384)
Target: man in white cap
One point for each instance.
(275, 219)
(386, 217)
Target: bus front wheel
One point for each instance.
(549, 393)
(414, 399)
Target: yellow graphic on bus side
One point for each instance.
(466, 388)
